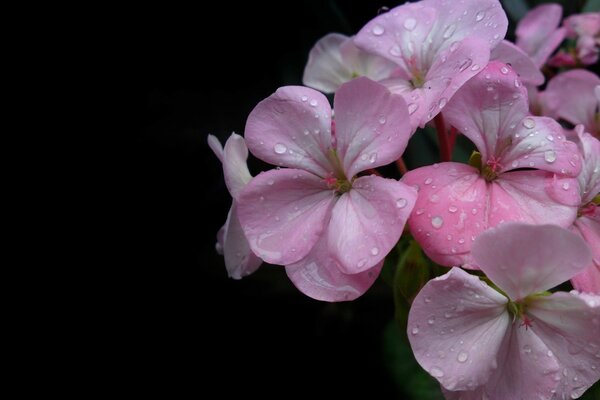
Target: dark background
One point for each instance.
(203, 69)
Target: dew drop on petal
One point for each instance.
(374, 251)
(529, 123)
(401, 203)
(527, 349)
(443, 102)
(465, 64)
(410, 24)
(414, 330)
(313, 103)
(550, 156)
(373, 158)
(304, 98)
(361, 263)
(280, 148)
(462, 357)
(479, 16)
(475, 67)
(270, 182)
(436, 372)
(452, 209)
(515, 164)
(437, 222)
(412, 108)
(378, 30)
(306, 132)
(504, 70)
(382, 120)
(454, 46)
(449, 31)
(431, 321)
(395, 50)
(428, 181)
(427, 299)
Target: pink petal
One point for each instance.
(589, 178)
(588, 227)
(574, 92)
(325, 70)
(489, 108)
(526, 259)
(215, 146)
(450, 210)
(568, 323)
(523, 65)
(585, 24)
(283, 213)
(367, 222)
(319, 276)
(366, 64)
(371, 125)
(235, 168)
(292, 128)
(239, 259)
(538, 33)
(540, 143)
(534, 197)
(456, 325)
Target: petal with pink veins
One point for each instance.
(283, 214)
(538, 32)
(450, 210)
(588, 227)
(292, 128)
(456, 326)
(521, 266)
(371, 126)
(239, 259)
(235, 168)
(367, 222)
(568, 324)
(319, 276)
(520, 61)
(589, 178)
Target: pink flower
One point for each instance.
(585, 24)
(508, 53)
(527, 170)
(335, 60)
(518, 342)
(587, 224)
(586, 29)
(438, 45)
(231, 242)
(575, 97)
(538, 32)
(330, 228)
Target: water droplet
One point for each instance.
(437, 222)
(565, 186)
(395, 50)
(410, 24)
(465, 64)
(479, 16)
(436, 372)
(262, 198)
(382, 120)
(447, 315)
(420, 211)
(531, 164)
(414, 330)
(373, 158)
(280, 148)
(550, 156)
(461, 240)
(362, 263)
(496, 36)
(453, 209)
(306, 132)
(454, 46)
(504, 70)
(449, 31)
(431, 320)
(270, 182)
(412, 108)
(374, 251)
(517, 83)
(565, 372)
(378, 30)
(428, 181)
(443, 102)
(313, 103)
(462, 357)
(549, 353)
(529, 123)
(515, 164)
(401, 203)
(474, 211)
(449, 237)
(475, 67)
(527, 349)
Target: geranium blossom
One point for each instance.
(587, 224)
(330, 228)
(521, 343)
(335, 60)
(538, 33)
(526, 173)
(585, 29)
(438, 46)
(231, 242)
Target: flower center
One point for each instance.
(337, 179)
(490, 170)
(589, 209)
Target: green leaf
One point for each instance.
(591, 6)
(516, 9)
(412, 272)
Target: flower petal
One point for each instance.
(488, 109)
(569, 323)
(538, 33)
(325, 70)
(235, 168)
(319, 276)
(526, 259)
(540, 143)
(283, 214)
(589, 178)
(588, 228)
(456, 325)
(450, 210)
(367, 221)
(523, 65)
(215, 146)
(371, 125)
(240, 261)
(292, 128)
(573, 93)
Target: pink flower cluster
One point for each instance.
(523, 215)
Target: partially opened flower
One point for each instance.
(231, 242)
(587, 224)
(526, 171)
(438, 46)
(330, 227)
(538, 33)
(575, 97)
(335, 60)
(513, 339)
